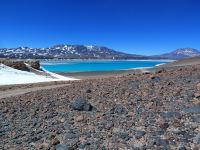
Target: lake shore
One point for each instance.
(106, 74)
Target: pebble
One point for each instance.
(156, 79)
(193, 109)
(139, 134)
(197, 139)
(63, 147)
(169, 115)
(164, 126)
(55, 141)
(79, 118)
(198, 86)
(182, 148)
(44, 145)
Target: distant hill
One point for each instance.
(181, 53)
(183, 62)
(67, 52)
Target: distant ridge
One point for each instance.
(67, 52)
(62, 51)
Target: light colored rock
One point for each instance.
(79, 118)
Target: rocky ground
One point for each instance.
(146, 111)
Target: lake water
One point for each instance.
(98, 65)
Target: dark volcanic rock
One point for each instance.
(161, 70)
(193, 109)
(88, 91)
(182, 148)
(123, 135)
(81, 105)
(169, 115)
(196, 118)
(63, 147)
(118, 109)
(197, 139)
(164, 125)
(139, 134)
(154, 78)
(162, 142)
(84, 144)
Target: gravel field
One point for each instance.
(158, 110)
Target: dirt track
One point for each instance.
(16, 92)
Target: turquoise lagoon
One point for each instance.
(98, 65)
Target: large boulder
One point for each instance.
(81, 105)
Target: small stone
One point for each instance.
(88, 91)
(116, 130)
(108, 126)
(196, 118)
(55, 141)
(5, 110)
(71, 136)
(160, 70)
(36, 138)
(193, 109)
(162, 142)
(196, 139)
(32, 144)
(198, 86)
(79, 118)
(196, 147)
(139, 134)
(62, 147)
(44, 145)
(118, 109)
(123, 135)
(83, 145)
(154, 78)
(197, 95)
(164, 126)
(182, 148)
(169, 115)
(196, 101)
(62, 120)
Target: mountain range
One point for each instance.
(87, 52)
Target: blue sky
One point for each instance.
(135, 26)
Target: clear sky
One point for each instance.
(134, 26)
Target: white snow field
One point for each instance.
(9, 76)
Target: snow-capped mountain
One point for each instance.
(87, 52)
(66, 52)
(181, 53)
